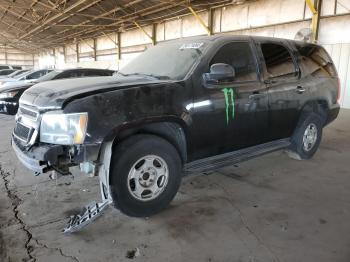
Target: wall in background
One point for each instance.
(272, 18)
(11, 56)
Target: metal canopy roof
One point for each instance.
(32, 25)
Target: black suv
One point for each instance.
(183, 106)
(10, 95)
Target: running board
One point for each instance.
(227, 159)
(89, 214)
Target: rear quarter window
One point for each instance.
(279, 61)
(315, 61)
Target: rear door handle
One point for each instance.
(300, 89)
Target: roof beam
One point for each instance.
(145, 32)
(199, 19)
(103, 15)
(315, 9)
(126, 18)
(53, 18)
(19, 16)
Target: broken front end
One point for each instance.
(52, 141)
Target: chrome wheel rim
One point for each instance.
(310, 137)
(148, 178)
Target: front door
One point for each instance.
(234, 115)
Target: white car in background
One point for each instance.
(10, 67)
(13, 74)
(4, 73)
(24, 77)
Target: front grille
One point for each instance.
(27, 124)
(22, 132)
(27, 112)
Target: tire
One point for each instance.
(145, 175)
(303, 146)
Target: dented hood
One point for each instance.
(53, 94)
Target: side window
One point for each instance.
(35, 75)
(68, 74)
(74, 74)
(43, 72)
(62, 75)
(278, 60)
(316, 61)
(96, 73)
(239, 55)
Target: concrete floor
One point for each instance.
(268, 209)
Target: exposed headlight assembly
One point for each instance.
(63, 129)
(8, 94)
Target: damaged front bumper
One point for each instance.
(47, 157)
(31, 160)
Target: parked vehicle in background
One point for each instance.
(6, 72)
(18, 72)
(24, 77)
(185, 106)
(10, 95)
(10, 67)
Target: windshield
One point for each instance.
(166, 61)
(23, 74)
(49, 76)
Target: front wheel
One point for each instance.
(146, 174)
(307, 137)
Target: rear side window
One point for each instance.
(4, 67)
(97, 73)
(70, 74)
(315, 61)
(278, 60)
(239, 55)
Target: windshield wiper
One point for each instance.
(142, 74)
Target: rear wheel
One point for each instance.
(307, 137)
(146, 174)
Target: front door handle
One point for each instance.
(300, 89)
(256, 96)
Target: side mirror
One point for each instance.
(220, 73)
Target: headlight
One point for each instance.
(63, 129)
(8, 94)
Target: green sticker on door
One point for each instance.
(230, 103)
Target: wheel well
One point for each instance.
(319, 107)
(170, 131)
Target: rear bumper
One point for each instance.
(332, 113)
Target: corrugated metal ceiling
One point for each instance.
(37, 24)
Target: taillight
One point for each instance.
(338, 91)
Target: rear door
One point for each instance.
(281, 76)
(231, 116)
